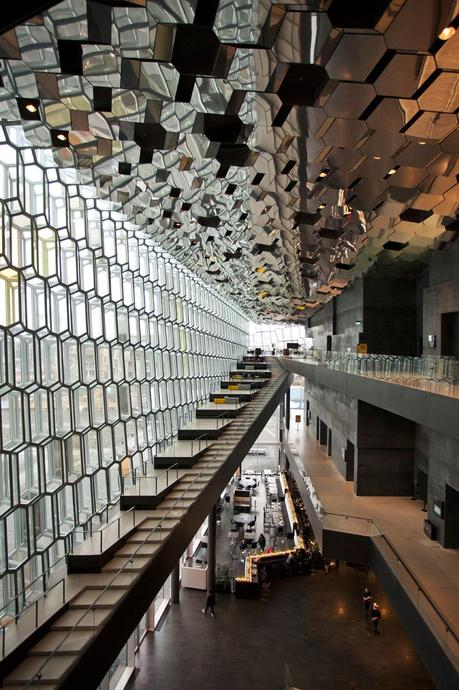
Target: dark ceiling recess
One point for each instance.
(102, 99)
(359, 14)
(70, 57)
(14, 13)
(415, 215)
(344, 267)
(395, 246)
(301, 84)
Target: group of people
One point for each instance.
(244, 545)
(372, 610)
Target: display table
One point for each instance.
(244, 519)
(194, 576)
(247, 482)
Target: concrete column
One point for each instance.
(175, 584)
(211, 544)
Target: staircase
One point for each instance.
(83, 639)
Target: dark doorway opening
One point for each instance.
(323, 433)
(421, 487)
(349, 459)
(308, 412)
(329, 343)
(318, 429)
(451, 518)
(450, 334)
(329, 445)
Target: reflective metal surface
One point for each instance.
(272, 148)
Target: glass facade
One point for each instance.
(277, 335)
(106, 343)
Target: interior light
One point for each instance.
(61, 137)
(31, 108)
(323, 174)
(422, 143)
(392, 171)
(447, 33)
(321, 207)
(377, 158)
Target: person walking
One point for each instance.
(375, 617)
(210, 603)
(262, 541)
(367, 599)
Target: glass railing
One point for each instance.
(123, 578)
(32, 615)
(309, 486)
(427, 371)
(138, 484)
(106, 536)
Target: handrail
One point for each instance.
(122, 570)
(47, 572)
(101, 530)
(324, 513)
(34, 603)
(23, 591)
(418, 584)
(433, 371)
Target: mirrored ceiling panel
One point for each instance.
(273, 148)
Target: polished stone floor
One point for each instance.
(309, 631)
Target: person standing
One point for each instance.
(262, 541)
(367, 599)
(210, 603)
(375, 617)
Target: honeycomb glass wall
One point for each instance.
(106, 343)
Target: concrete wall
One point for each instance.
(338, 319)
(389, 315)
(443, 468)
(320, 325)
(339, 412)
(378, 311)
(440, 293)
(385, 454)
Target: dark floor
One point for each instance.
(310, 631)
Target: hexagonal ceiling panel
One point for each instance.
(278, 150)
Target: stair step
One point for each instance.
(88, 621)
(100, 598)
(135, 549)
(68, 643)
(116, 563)
(50, 673)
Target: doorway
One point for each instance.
(323, 433)
(421, 486)
(349, 459)
(450, 334)
(451, 540)
(329, 445)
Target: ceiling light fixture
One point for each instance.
(447, 33)
(323, 174)
(61, 137)
(321, 207)
(31, 108)
(392, 171)
(422, 143)
(377, 158)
